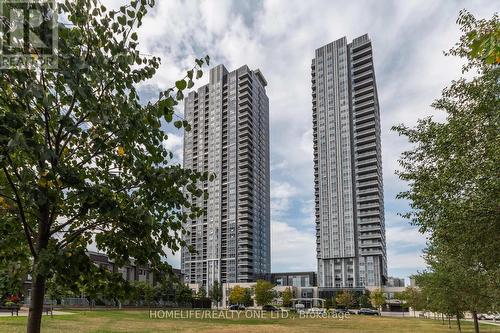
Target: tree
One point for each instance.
(14, 258)
(442, 292)
(344, 299)
(183, 295)
(263, 292)
(82, 160)
(215, 293)
(202, 293)
(377, 298)
(55, 291)
(287, 297)
(237, 295)
(364, 301)
(481, 38)
(247, 299)
(144, 292)
(452, 172)
(412, 298)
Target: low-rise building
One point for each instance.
(296, 279)
(395, 282)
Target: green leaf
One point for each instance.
(199, 73)
(179, 96)
(178, 124)
(122, 20)
(181, 84)
(168, 117)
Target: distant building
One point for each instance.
(395, 282)
(349, 197)
(130, 272)
(229, 118)
(295, 279)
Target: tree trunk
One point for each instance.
(458, 323)
(449, 321)
(38, 282)
(36, 304)
(476, 322)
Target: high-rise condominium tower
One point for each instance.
(230, 137)
(350, 228)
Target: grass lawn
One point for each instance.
(105, 321)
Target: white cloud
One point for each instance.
(174, 143)
(281, 194)
(291, 249)
(411, 261)
(397, 236)
(174, 259)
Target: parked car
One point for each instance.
(270, 308)
(316, 310)
(236, 307)
(341, 310)
(368, 312)
(489, 316)
(299, 306)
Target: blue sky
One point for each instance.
(279, 37)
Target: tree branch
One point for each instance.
(26, 227)
(78, 232)
(65, 224)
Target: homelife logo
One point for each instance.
(28, 34)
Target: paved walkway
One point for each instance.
(24, 313)
(410, 315)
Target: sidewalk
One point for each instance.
(24, 313)
(410, 315)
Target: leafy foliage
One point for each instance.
(247, 298)
(344, 299)
(237, 295)
(364, 301)
(14, 258)
(287, 297)
(377, 298)
(412, 298)
(453, 172)
(183, 295)
(144, 291)
(83, 160)
(202, 293)
(215, 293)
(480, 41)
(264, 293)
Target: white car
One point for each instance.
(316, 310)
(489, 316)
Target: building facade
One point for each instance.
(350, 227)
(229, 136)
(395, 282)
(295, 279)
